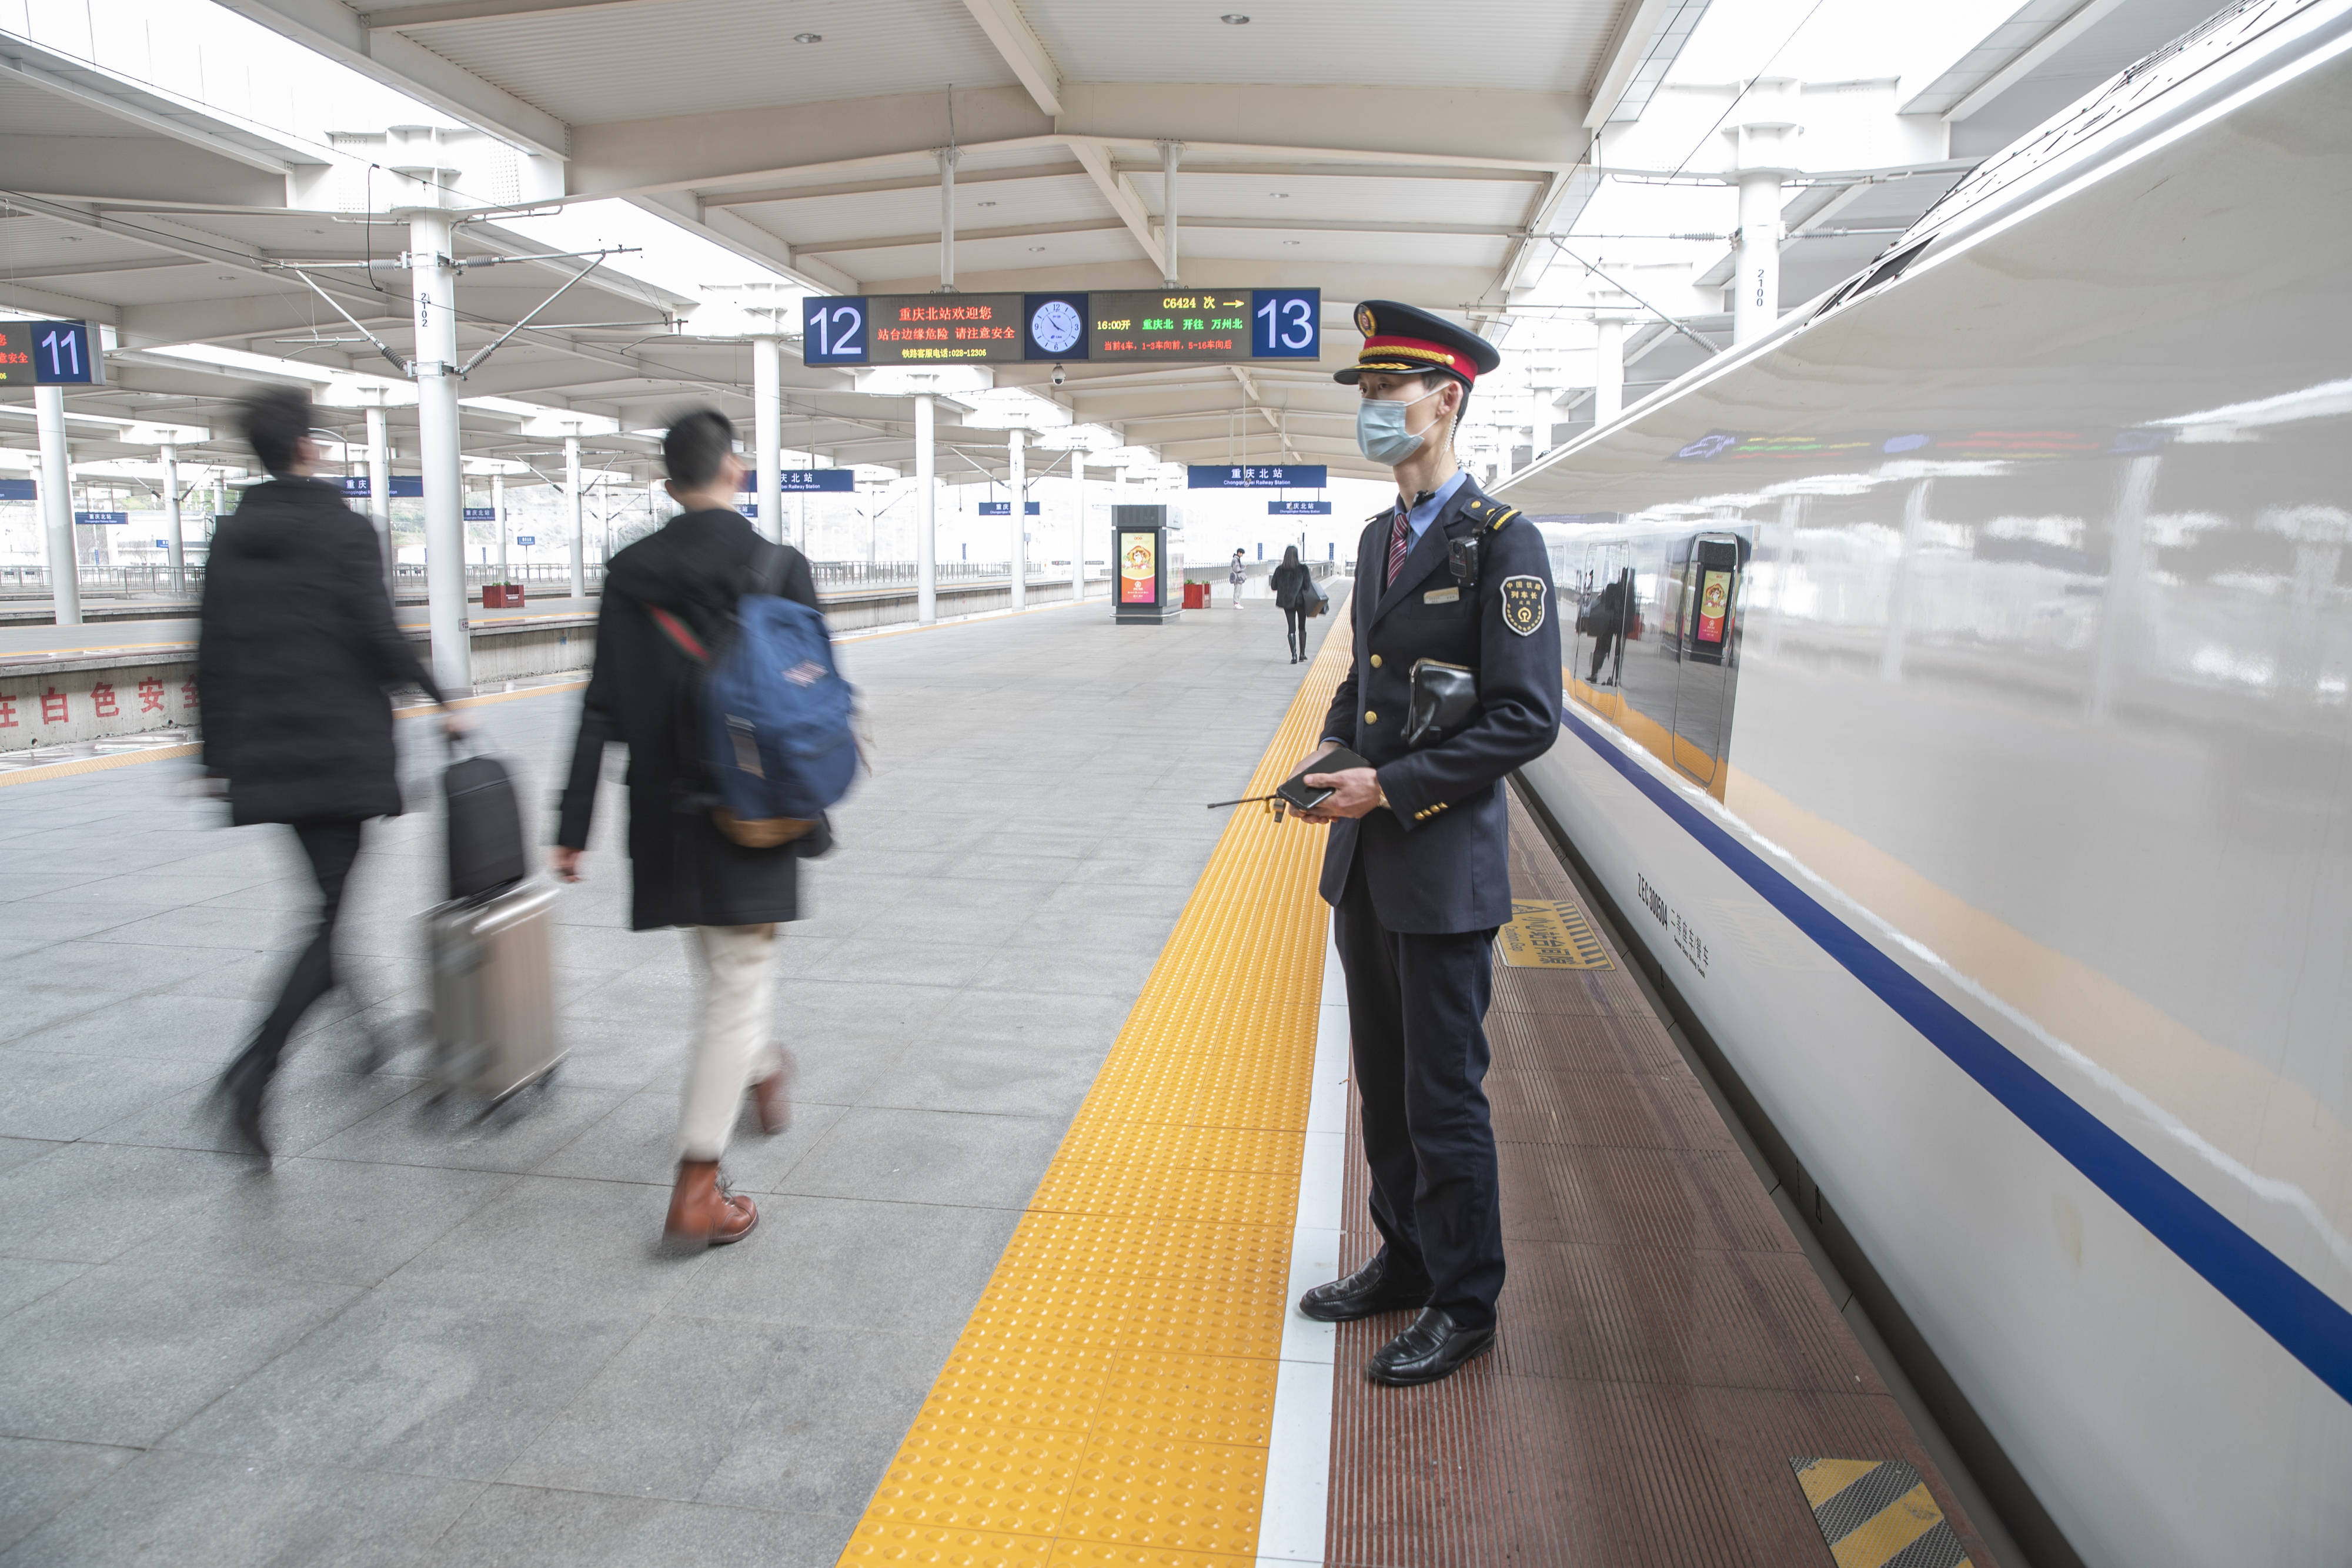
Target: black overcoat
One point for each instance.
(1289, 584)
(642, 693)
(296, 659)
(1437, 858)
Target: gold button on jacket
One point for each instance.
(1376, 661)
(1371, 717)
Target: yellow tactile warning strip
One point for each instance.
(1550, 934)
(1111, 1398)
(1878, 1513)
(34, 774)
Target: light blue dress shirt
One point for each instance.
(1418, 518)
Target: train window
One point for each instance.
(1604, 617)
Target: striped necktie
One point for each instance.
(1400, 539)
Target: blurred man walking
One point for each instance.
(296, 662)
(686, 871)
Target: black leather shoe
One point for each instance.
(1366, 1293)
(1428, 1351)
(244, 1085)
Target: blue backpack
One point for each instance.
(776, 720)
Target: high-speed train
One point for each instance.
(1959, 712)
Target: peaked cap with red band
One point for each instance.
(1399, 341)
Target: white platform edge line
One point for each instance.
(1292, 1518)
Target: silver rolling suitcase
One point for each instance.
(493, 994)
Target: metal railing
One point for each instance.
(408, 579)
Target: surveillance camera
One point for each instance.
(1060, 375)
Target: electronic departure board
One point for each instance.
(1140, 325)
(911, 330)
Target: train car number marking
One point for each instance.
(1685, 937)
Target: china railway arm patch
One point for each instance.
(1523, 604)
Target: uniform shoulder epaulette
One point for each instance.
(1490, 515)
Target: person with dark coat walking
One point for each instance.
(684, 870)
(1294, 592)
(297, 655)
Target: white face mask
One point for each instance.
(1380, 434)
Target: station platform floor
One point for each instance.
(1072, 1129)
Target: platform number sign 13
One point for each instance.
(1287, 324)
(833, 332)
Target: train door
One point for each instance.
(1706, 605)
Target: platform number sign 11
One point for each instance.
(49, 353)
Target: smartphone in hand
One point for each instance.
(1303, 797)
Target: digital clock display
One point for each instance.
(1157, 325)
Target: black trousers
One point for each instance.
(332, 846)
(1296, 621)
(1416, 1016)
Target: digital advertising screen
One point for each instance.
(1139, 567)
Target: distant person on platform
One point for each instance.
(297, 658)
(684, 871)
(1237, 574)
(1294, 592)
(1417, 865)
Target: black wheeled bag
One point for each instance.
(493, 969)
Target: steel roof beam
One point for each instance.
(1018, 44)
(335, 30)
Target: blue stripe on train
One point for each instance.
(2306, 1321)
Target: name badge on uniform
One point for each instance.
(1441, 596)
(1523, 604)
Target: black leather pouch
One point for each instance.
(1444, 699)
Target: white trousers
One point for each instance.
(731, 1045)
(1237, 596)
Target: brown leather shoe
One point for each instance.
(704, 1214)
(772, 1098)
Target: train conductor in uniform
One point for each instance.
(1416, 868)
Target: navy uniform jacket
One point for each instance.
(1436, 858)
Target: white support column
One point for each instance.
(498, 516)
(1015, 444)
(1170, 151)
(571, 501)
(768, 432)
(1608, 368)
(175, 544)
(433, 282)
(57, 503)
(379, 506)
(1077, 522)
(1756, 266)
(926, 516)
(948, 158)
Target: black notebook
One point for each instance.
(1306, 798)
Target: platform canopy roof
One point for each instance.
(191, 174)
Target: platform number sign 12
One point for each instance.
(833, 332)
